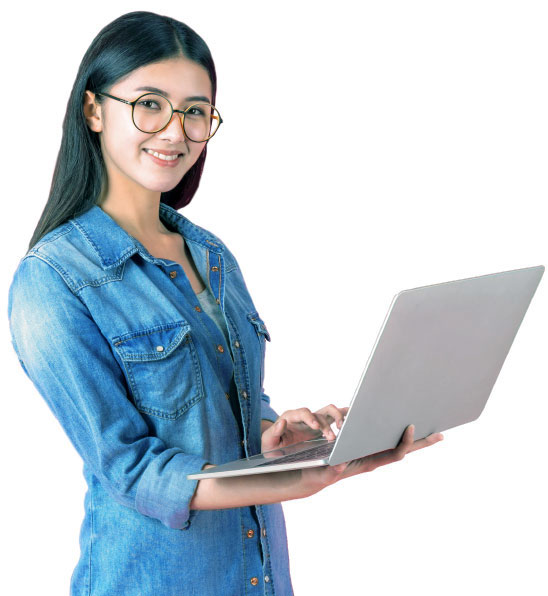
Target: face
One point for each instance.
(129, 167)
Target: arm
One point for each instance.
(240, 491)
(72, 365)
(275, 487)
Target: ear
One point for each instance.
(92, 112)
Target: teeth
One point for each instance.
(162, 156)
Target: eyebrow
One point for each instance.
(191, 98)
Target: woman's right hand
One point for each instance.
(315, 479)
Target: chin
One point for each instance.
(165, 186)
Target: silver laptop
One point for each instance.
(434, 365)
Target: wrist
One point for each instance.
(265, 424)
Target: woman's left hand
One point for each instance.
(294, 426)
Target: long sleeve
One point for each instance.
(71, 364)
(267, 413)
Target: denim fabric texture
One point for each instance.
(139, 377)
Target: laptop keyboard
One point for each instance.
(313, 453)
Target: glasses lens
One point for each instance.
(151, 113)
(201, 121)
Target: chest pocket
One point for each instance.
(162, 368)
(262, 336)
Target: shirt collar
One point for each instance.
(114, 245)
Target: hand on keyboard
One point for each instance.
(294, 426)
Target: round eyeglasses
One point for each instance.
(152, 112)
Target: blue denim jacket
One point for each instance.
(138, 376)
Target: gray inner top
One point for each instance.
(213, 310)
(211, 307)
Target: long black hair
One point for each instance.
(132, 40)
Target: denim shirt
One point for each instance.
(139, 377)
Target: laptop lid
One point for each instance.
(436, 359)
(434, 364)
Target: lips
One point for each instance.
(164, 162)
(163, 151)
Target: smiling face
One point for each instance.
(130, 169)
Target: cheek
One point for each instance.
(123, 146)
(196, 150)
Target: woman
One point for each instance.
(137, 328)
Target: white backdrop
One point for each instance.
(442, 176)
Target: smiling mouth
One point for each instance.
(163, 156)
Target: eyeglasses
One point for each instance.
(152, 112)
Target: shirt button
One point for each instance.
(244, 394)
(198, 308)
(243, 443)
(250, 533)
(217, 301)
(227, 396)
(264, 531)
(215, 268)
(266, 578)
(172, 274)
(159, 348)
(254, 581)
(220, 348)
(237, 343)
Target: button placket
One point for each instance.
(237, 376)
(215, 275)
(264, 542)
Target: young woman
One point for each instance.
(137, 328)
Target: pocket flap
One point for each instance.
(154, 343)
(259, 324)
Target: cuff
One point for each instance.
(267, 413)
(164, 491)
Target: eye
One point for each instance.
(149, 101)
(195, 112)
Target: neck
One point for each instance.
(139, 215)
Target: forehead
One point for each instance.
(177, 78)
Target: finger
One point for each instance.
(306, 416)
(278, 428)
(325, 427)
(406, 443)
(388, 456)
(344, 412)
(333, 414)
(427, 441)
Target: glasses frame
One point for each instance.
(173, 110)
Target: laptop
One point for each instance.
(434, 364)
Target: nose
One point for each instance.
(174, 130)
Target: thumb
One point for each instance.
(271, 437)
(278, 428)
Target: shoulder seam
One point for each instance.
(64, 229)
(54, 265)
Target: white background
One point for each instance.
(438, 174)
